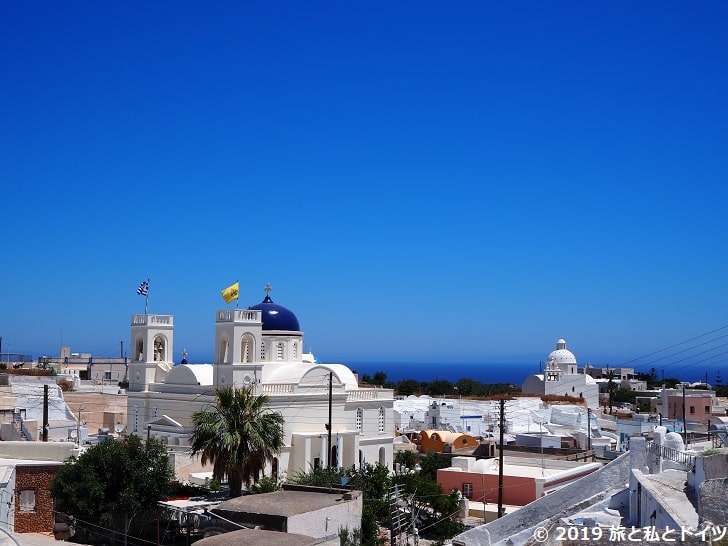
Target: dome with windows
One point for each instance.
(561, 355)
(276, 317)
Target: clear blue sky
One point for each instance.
(417, 181)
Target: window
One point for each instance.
(468, 490)
(707, 409)
(359, 419)
(381, 420)
(280, 350)
(223, 356)
(692, 409)
(27, 500)
(295, 351)
(107, 376)
(262, 351)
(247, 349)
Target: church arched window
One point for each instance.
(247, 348)
(160, 349)
(140, 349)
(224, 345)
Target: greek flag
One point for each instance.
(143, 289)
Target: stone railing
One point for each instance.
(144, 320)
(239, 315)
(276, 388)
(371, 394)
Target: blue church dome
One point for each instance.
(276, 317)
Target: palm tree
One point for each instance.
(238, 435)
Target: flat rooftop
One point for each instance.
(284, 502)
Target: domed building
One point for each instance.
(259, 347)
(561, 377)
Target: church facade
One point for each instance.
(259, 347)
(562, 378)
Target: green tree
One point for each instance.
(380, 378)
(238, 435)
(440, 387)
(110, 483)
(407, 387)
(611, 388)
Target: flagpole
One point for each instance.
(237, 300)
(146, 298)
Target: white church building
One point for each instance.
(562, 378)
(262, 347)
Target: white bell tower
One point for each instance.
(152, 343)
(238, 339)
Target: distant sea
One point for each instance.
(510, 372)
(485, 373)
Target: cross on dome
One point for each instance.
(268, 288)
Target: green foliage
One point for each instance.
(431, 463)
(267, 484)
(671, 382)
(436, 511)
(319, 477)
(112, 481)
(238, 435)
(372, 480)
(370, 524)
(410, 459)
(408, 387)
(444, 511)
(439, 387)
(625, 395)
(213, 484)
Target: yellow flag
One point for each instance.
(231, 292)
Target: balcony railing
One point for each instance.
(152, 320)
(239, 315)
(671, 454)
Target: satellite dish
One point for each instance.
(73, 433)
(118, 428)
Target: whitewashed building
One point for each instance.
(261, 347)
(562, 378)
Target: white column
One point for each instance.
(339, 450)
(306, 453)
(324, 454)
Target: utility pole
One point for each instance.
(500, 457)
(78, 426)
(45, 412)
(328, 425)
(588, 428)
(685, 424)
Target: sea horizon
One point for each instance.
(502, 372)
(491, 372)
